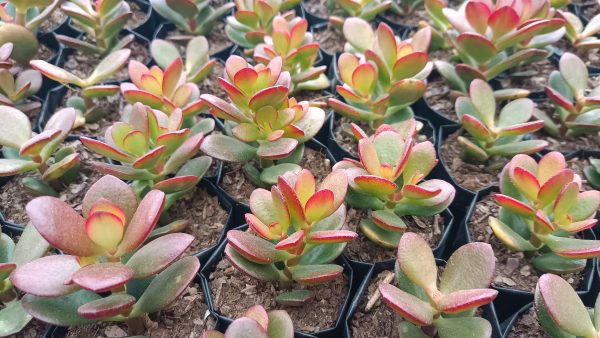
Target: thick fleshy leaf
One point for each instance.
(245, 327)
(417, 262)
(411, 308)
(143, 221)
(60, 311)
(266, 272)
(572, 248)
(388, 220)
(227, 148)
(319, 205)
(10, 167)
(114, 190)
(280, 324)
(477, 47)
(315, 274)
(463, 327)
(108, 66)
(483, 100)
(13, 318)
(509, 237)
(102, 277)
(105, 229)
(254, 248)
(514, 205)
(15, 128)
(56, 73)
(553, 185)
(472, 266)
(331, 236)
(574, 72)
(277, 149)
(375, 185)
(112, 305)
(158, 254)
(53, 270)
(463, 300)
(104, 149)
(177, 184)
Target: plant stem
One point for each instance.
(20, 18)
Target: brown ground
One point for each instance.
(53, 21)
(438, 98)
(45, 53)
(411, 19)
(138, 18)
(330, 40)
(532, 77)
(210, 84)
(317, 8)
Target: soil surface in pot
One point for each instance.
(438, 98)
(45, 53)
(111, 106)
(138, 17)
(14, 197)
(527, 326)
(217, 39)
(34, 329)
(532, 77)
(236, 184)
(234, 292)
(467, 175)
(83, 65)
(578, 164)
(331, 41)
(317, 8)
(590, 12)
(410, 20)
(362, 249)
(206, 216)
(312, 96)
(210, 85)
(589, 56)
(512, 268)
(53, 21)
(186, 317)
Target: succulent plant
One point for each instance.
(198, 64)
(165, 90)
(259, 323)
(541, 211)
(19, 20)
(108, 271)
(577, 109)
(290, 41)
(88, 111)
(389, 178)
(491, 135)
(253, 20)
(561, 312)
(447, 310)
(17, 86)
(580, 35)
(24, 151)
(405, 7)
(102, 21)
(491, 39)
(296, 233)
(262, 122)
(592, 172)
(191, 16)
(13, 318)
(154, 151)
(364, 9)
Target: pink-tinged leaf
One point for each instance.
(34, 146)
(514, 205)
(549, 190)
(509, 237)
(133, 95)
(375, 185)
(564, 306)
(331, 236)
(143, 221)
(319, 205)
(56, 73)
(549, 165)
(477, 47)
(177, 184)
(112, 305)
(171, 77)
(114, 190)
(503, 20)
(245, 80)
(52, 270)
(61, 226)
(475, 260)
(305, 185)
(358, 133)
(315, 274)
(409, 65)
(105, 229)
(564, 201)
(294, 204)
(477, 14)
(245, 327)
(278, 149)
(100, 91)
(292, 244)
(526, 183)
(477, 129)
(222, 109)
(260, 228)
(104, 149)
(258, 313)
(572, 248)
(337, 182)
(417, 262)
(368, 156)
(419, 192)
(388, 220)
(463, 300)
(272, 96)
(136, 69)
(580, 226)
(364, 79)
(102, 277)
(234, 64)
(253, 248)
(347, 63)
(559, 100)
(187, 150)
(155, 256)
(150, 159)
(406, 305)
(523, 128)
(542, 221)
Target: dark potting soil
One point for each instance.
(14, 197)
(379, 320)
(240, 187)
(532, 77)
(312, 96)
(362, 249)
(111, 106)
(331, 41)
(186, 317)
(317, 8)
(83, 65)
(591, 11)
(589, 56)
(512, 268)
(410, 19)
(527, 326)
(578, 164)
(234, 292)
(217, 39)
(34, 329)
(210, 84)
(207, 218)
(138, 17)
(53, 21)
(467, 175)
(44, 53)
(439, 99)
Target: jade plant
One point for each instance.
(542, 210)
(24, 151)
(364, 9)
(198, 64)
(492, 135)
(17, 89)
(102, 21)
(577, 108)
(253, 20)
(108, 271)
(262, 123)
(381, 85)
(561, 312)
(298, 50)
(86, 105)
(447, 309)
(580, 35)
(258, 323)
(296, 233)
(19, 21)
(195, 17)
(592, 172)
(405, 7)
(165, 90)
(389, 179)
(490, 39)
(31, 246)
(154, 152)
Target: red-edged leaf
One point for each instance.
(295, 206)
(319, 205)
(292, 244)
(277, 149)
(549, 190)
(34, 146)
(315, 274)
(104, 149)
(253, 248)
(143, 221)
(503, 20)
(102, 277)
(272, 96)
(112, 305)
(375, 185)
(419, 192)
(408, 306)
(177, 183)
(114, 190)
(462, 300)
(526, 183)
(149, 159)
(514, 205)
(155, 256)
(559, 100)
(171, 77)
(477, 14)
(331, 236)
(259, 227)
(105, 229)
(46, 276)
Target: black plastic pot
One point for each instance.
(312, 19)
(148, 26)
(508, 324)
(519, 297)
(164, 28)
(218, 255)
(49, 40)
(489, 312)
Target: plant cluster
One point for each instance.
(198, 64)
(262, 122)
(106, 255)
(17, 86)
(580, 35)
(447, 310)
(389, 179)
(381, 74)
(259, 323)
(195, 17)
(364, 9)
(296, 233)
(541, 211)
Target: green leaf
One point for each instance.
(7, 246)
(521, 147)
(13, 318)
(295, 298)
(417, 262)
(158, 254)
(59, 311)
(31, 246)
(380, 236)
(482, 98)
(472, 266)
(515, 112)
(280, 324)
(108, 66)
(270, 174)
(463, 327)
(550, 262)
(509, 237)
(227, 148)
(574, 72)
(408, 306)
(15, 128)
(408, 329)
(195, 167)
(266, 272)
